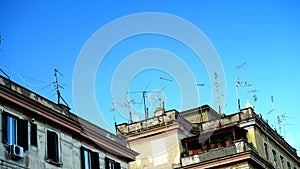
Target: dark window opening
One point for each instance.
(282, 160)
(266, 150)
(288, 165)
(33, 134)
(89, 159)
(111, 164)
(52, 146)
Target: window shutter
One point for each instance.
(117, 165)
(82, 157)
(4, 127)
(106, 163)
(22, 133)
(56, 148)
(95, 160)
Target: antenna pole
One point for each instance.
(217, 90)
(56, 86)
(161, 83)
(237, 95)
(272, 100)
(145, 107)
(242, 82)
(5, 74)
(1, 39)
(130, 117)
(279, 120)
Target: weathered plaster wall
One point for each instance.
(160, 151)
(262, 138)
(35, 157)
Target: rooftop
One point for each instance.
(61, 115)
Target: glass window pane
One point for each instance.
(87, 160)
(11, 130)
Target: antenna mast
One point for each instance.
(57, 87)
(145, 106)
(281, 119)
(243, 83)
(1, 39)
(272, 100)
(162, 88)
(237, 94)
(144, 99)
(112, 109)
(254, 96)
(200, 85)
(217, 90)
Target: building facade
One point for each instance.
(201, 138)
(39, 134)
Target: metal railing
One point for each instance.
(237, 146)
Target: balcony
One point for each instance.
(237, 146)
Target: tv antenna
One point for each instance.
(200, 109)
(161, 89)
(273, 110)
(161, 82)
(113, 108)
(58, 86)
(127, 104)
(2, 71)
(254, 97)
(217, 90)
(280, 120)
(243, 84)
(144, 99)
(200, 85)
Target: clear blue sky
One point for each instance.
(41, 36)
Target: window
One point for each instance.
(89, 159)
(15, 130)
(282, 161)
(111, 164)
(274, 156)
(266, 150)
(33, 134)
(288, 165)
(52, 146)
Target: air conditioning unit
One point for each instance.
(15, 151)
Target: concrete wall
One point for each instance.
(261, 138)
(35, 157)
(145, 125)
(160, 151)
(197, 115)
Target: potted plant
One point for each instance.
(212, 144)
(197, 151)
(228, 140)
(204, 147)
(219, 143)
(191, 152)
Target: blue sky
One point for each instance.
(41, 36)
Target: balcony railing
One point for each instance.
(236, 147)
